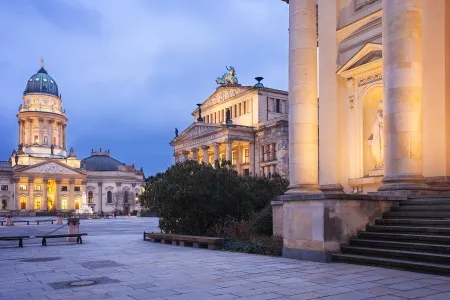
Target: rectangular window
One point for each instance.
(245, 107)
(278, 106)
(222, 156)
(23, 187)
(235, 110)
(37, 203)
(263, 153)
(37, 187)
(64, 188)
(23, 203)
(274, 152)
(246, 156)
(269, 152)
(77, 189)
(234, 158)
(63, 204)
(4, 187)
(240, 109)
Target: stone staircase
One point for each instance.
(413, 236)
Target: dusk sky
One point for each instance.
(130, 71)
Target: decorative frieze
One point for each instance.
(370, 79)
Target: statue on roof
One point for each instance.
(176, 132)
(228, 78)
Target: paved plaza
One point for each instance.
(115, 263)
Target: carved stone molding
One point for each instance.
(58, 181)
(52, 168)
(351, 82)
(363, 4)
(351, 100)
(370, 79)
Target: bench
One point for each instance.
(55, 236)
(211, 243)
(15, 238)
(43, 221)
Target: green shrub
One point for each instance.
(262, 222)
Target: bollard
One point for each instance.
(58, 220)
(74, 227)
(9, 221)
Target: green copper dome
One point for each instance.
(42, 82)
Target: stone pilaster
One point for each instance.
(20, 132)
(402, 80)
(177, 157)
(30, 201)
(185, 155)
(41, 131)
(71, 188)
(16, 193)
(44, 204)
(52, 122)
(251, 157)
(303, 103)
(100, 192)
(30, 131)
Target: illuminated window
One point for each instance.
(23, 203)
(137, 197)
(109, 197)
(233, 158)
(49, 189)
(36, 139)
(37, 203)
(90, 197)
(23, 187)
(77, 204)
(246, 156)
(37, 187)
(211, 160)
(63, 204)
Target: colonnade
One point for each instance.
(56, 134)
(402, 80)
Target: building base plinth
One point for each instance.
(314, 226)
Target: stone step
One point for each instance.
(416, 214)
(432, 201)
(431, 196)
(398, 254)
(415, 238)
(421, 208)
(428, 247)
(415, 222)
(393, 263)
(410, 229)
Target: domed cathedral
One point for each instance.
(42, 176)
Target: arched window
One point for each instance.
(77, 204)
(36, 139)
(45, 140)
(109, 197)
(4, 204)
(125, 197)
(90, 197)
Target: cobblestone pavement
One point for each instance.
(115, 263)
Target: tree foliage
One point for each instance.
(191, 198)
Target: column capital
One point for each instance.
(205, 147)
(194, 149)
(30, 179)
(51, 121)
(100, 184)
(71, 181)
(58, 181)
(184, 152)
(118, 184)
(15, 180)
(29, 119)
(41, 119)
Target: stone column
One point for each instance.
(251, 157)
(20, 132)
(177, 157)
(44, 205)
(16, 193)
(303, 103)
(30, 201)
(71, 200)
(58, 195)
(194, 154)
(229, 150)
(100, 188)
(205, 154)
(185, 155)
(41, 131)
(52, 122)
(402, 93)
(216, 151)
(30, 129)
(64, 135)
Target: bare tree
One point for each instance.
(117, 202)
(123, 201)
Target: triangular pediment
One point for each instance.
(197, 130)
(368, 54)
(51, 167)
(224, 93)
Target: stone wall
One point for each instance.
(277, 212)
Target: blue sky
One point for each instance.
(130, 71)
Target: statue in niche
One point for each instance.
(376, 139)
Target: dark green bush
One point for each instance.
(262, 222)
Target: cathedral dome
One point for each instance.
(42, 82)
(101, 161)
